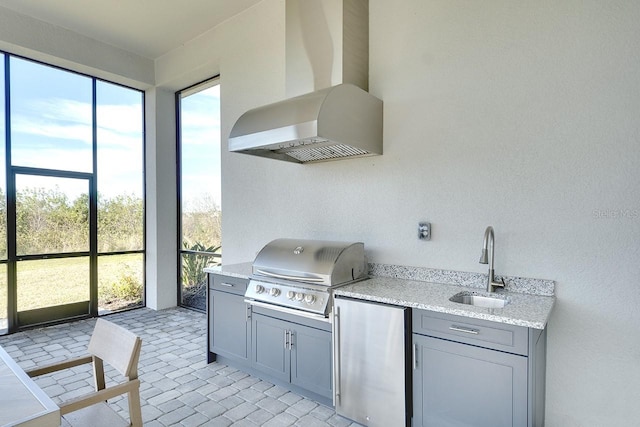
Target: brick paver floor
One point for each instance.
(178, 387)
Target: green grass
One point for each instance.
(45, 283)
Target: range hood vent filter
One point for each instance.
(312, 154)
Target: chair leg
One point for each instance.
(135, 413)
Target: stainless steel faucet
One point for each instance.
(487, 258)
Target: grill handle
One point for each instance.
(286, 277)
(300, 313)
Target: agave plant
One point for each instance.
(193, 278)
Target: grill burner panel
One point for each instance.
(301, 274)
(315, 301)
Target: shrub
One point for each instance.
(127, 288)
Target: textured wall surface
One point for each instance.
(522, 115)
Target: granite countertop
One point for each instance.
(530, 307)
(241, 271)
(527, 310)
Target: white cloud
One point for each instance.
(71, 120)
(52, 158)
(123, 119)
(59, 109)
(119, 141)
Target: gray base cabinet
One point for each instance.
(282, 348)
(229, 319)
(270, 353)
(461, 385)
(293, 353)
(476, 373)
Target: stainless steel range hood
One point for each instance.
(333, 123)
(327, 59)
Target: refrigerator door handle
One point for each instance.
(336, 355)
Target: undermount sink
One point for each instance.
(480, 299)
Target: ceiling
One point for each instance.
(149, 28)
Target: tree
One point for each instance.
(46, 221)
(120, 223)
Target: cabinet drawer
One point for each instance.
(233, 285)
(482, 333)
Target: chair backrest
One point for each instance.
(117, 346)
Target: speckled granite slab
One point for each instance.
(531, 311)
(472, 280)
(241, 271)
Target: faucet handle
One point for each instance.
(499, 284)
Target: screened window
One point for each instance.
(199, 184)
(72, 243)
(51, 124)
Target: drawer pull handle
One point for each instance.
(228, 285)
(463, 329)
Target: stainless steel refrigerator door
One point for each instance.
(370, 363)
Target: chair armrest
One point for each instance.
(98, 396)
(47, 369)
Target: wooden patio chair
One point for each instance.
(119, 348)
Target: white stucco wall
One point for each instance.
(522, 115)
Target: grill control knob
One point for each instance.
(274, 292)
(259, 289)
(309, 299)
(299, 297)
(291, 295)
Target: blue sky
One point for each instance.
(200, 125)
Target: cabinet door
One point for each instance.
(456, 385)
(230, 325)
(269, 351)
(311, 360)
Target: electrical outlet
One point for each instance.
(424, 230)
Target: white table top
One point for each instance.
(22, 402)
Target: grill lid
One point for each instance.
(318, 262)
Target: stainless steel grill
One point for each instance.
(300, 275)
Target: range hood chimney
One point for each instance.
(329, 114)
